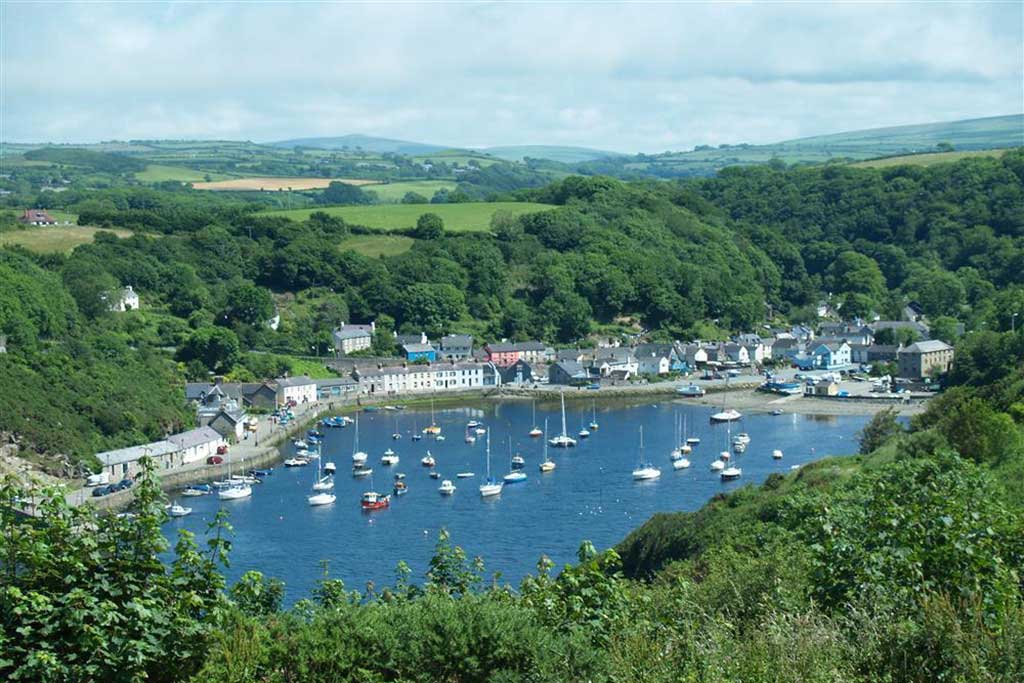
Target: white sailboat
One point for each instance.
(514, 475)
(644, 471)
(584, 433)
(546, 465)
(358, 456)
(563, 440)
(490, 487)
(433, 429)
(726, 415)
(176, 510)
(235, 490)
(679, 461)
(324, 482)
(593, 417)
(535, 432)
(731, 472)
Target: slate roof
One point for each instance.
(156, 449)
(929, 346)
(195, 437)
(294, 381)
(418, 348)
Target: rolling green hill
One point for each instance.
(368, 143)
(565, 155)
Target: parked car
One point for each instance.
(123, 484)
(214, 460)
(221, 450)
(100, 491)
(593, 387)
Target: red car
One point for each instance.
(214, 460)
(221, 450)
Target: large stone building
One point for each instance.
(925, 359)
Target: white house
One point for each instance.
(125, 300)
(653, 364)
(737, 353)
(350, 338)
(413, 379)
(298, 389)
(195, 445)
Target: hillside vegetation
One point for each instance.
(469, 216)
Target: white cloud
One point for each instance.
(621, 76)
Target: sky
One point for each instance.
(640, 77)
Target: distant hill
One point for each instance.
(368, 143)
(566, 155)
(996, 132)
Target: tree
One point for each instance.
(882, 427)
(91, 285)
(414, 198)
(249, 304)
(429, 226)
(432, 306)
(945, 328)
(343, 193)
(856, 273)
(216, 347)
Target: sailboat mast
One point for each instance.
(545, 440)
(565, 432)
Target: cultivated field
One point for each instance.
(158, 173)
(61, 238)
(393, 192)
(377, 245)
(928, 159)
(274, 184)
(474, 216)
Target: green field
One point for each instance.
(54, 239)
(158, 173)
(928, 159)
(62, 216)
(377, 245)
(473, 216)
(393, 192)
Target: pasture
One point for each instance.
(928, 159)
(54, 239)
(393, 192)
(468, 217)
(375, 246)
(267, 184)
(158, 173)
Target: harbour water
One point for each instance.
(591, 494)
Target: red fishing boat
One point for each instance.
(374, 501)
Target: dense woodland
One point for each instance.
(901, 564)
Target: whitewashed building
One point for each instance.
(195, 445)
(124, 300)
(298, 389)
(414, 379)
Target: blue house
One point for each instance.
(419, 352)
(830, 356)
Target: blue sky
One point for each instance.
(629, 77)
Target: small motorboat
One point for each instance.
(742, 437)
(717, 466)
(470, 438)
(243, 479)
(400, 488)
(330, 468)
(739, 446)
(360, 471)
(472, 424)
(693, 441)
(372, 500)
(435, 475)
(518, 462)
(300, 444)
(480, 431)
(428, 460)
(396, 436)
(296, 462)
(417, 437)
(465, 475)
(371, 409)
(547, 466)
(178, 510)
(680, 464)
(399, 476)
(197, 490)
(675, 455)
(685, 448)
(261, 473)
(447, 488)
(432, 430)
(439, 438)
(315, 434)
(729, 415)
(514, 477)
(777, 412)
(389, 458)
(777, 454)
(359, 457)
(321, 499)
(731, 473)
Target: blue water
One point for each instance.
(590, 495)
